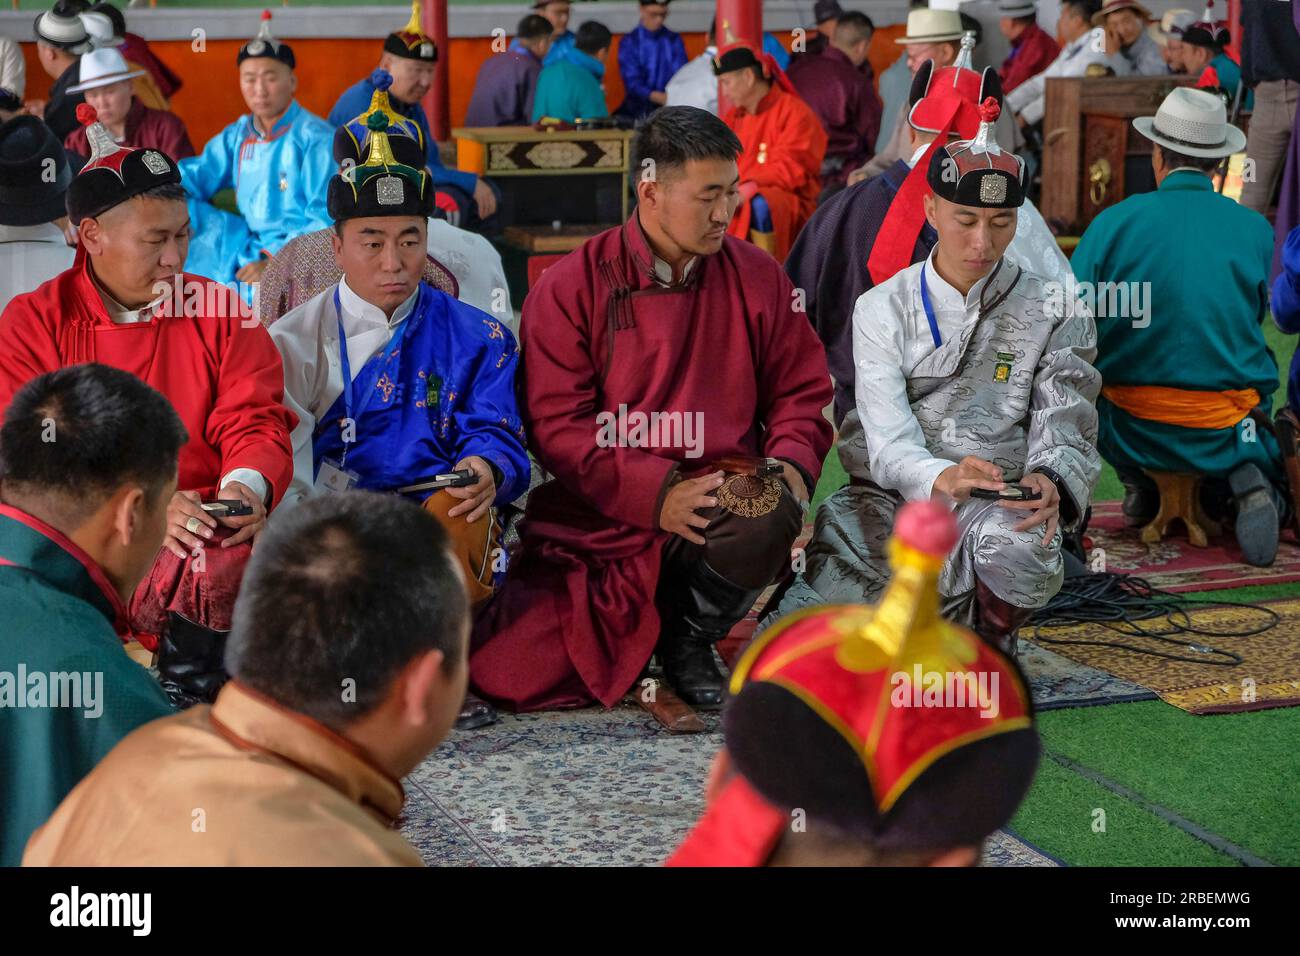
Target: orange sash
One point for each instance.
(1180, 406)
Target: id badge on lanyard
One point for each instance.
(335, 476)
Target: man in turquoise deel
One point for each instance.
(278, 159)
(88, 459)
(569, 89)
(1178, 279)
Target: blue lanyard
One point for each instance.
(929, 310)
(349, 386)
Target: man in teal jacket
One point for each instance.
(88, 459)
(570, 89)
(1178, 279)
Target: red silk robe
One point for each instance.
(784, 145)
(575, 620)
(223, 376)
(1031, 53)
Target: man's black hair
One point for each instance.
(172, 192)
(74, 436)
(671, 136)
(533, 27)
(855, 23)
(1086, 9)
(1174, 159)
(342, 593)
(593, 37)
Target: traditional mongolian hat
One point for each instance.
(1208, 32)
(381, 186)
(944, 102)
(114, 173)
(411, 42)
(405, 137)
(887, 723)
(265, 45)
(739, 55)
(978, 172)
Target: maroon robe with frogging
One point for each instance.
(575, 620)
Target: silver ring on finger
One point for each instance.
(192, 525)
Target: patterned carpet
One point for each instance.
(1174, 565)
(1267, 676)
(579, 788)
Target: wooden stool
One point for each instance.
(1179, 499)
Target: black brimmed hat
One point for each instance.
(411, 42)
(265, 45)
(114, 173)
(381, 186)
(34, 173)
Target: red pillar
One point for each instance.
(738, 20)
(1234, 25)
(437, 103)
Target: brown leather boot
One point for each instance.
(997, 621)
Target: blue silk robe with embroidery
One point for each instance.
(442, 389)
(280, 184)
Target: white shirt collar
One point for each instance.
(664, 271)
(916, 156)
(943, 295)
(367, 315)
(119, 314)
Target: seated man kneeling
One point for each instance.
(348, 663)
(967, 381)
(423, 384)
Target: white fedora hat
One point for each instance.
(103, 68)
(1192, 122)
(932, 26)
(100, 29)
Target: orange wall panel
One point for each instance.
(210, 98)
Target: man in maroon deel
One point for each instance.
(664, 363)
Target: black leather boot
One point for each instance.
(1141, 498)
(475, 712)
(1259, 513)
(701, 607)
(191, 662)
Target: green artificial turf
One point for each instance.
(1233, 774)
(1059, 816)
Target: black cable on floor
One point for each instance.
(1131, 607)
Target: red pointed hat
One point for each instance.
(114, 173)
(944, 102)
(887, 723)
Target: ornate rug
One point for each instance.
(1267, 676)
(1175, 565)
(577, 788)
